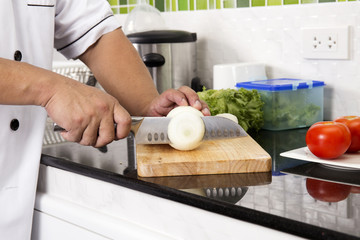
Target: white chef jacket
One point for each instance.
(29, 30)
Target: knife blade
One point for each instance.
(153, 130)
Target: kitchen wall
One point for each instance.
(126, 6)
(272, 35)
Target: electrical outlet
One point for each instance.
(326, 43)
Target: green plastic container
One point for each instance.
(289, 103)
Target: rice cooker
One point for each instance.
(170, 56)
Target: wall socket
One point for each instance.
(326, 43)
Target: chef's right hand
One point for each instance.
(87, 114)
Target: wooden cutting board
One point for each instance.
(238, 155)
(212, 180)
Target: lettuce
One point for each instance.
(246, 105)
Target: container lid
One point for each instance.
(144, 17)
(280, 84)
(162, 36)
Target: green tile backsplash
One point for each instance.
(125, 6)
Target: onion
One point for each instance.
(180, 109)
(186, 129)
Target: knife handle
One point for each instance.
(57, 128)
(135, 124)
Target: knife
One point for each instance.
(153, 130)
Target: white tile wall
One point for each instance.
(272, 35)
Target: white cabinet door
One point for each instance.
(47, 227)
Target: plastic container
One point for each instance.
(144, 17)
(289, 103)
(228, 74)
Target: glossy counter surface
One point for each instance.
(279, 199)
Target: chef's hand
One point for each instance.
(87, 114)
(171, 98)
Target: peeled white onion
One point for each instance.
(228, 116)
(186, 130)
(181, 109)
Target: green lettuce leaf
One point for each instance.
(246, 105)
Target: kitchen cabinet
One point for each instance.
(78, 201)
(72, 203)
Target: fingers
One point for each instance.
(107, 131)
(172, 98)
(123, 121)
(101, 132)
(88, 116)
(84, 133)
(205, 108)
(191, 97)
(193, 100)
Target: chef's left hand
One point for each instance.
(171, 98)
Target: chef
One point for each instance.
(81, 29)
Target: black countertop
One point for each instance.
(277, 199)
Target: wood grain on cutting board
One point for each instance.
(238, 155)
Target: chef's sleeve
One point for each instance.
(80, 23)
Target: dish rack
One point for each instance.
(77, 71)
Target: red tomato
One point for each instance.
(353, 123)
(327, 191)
(328, 139)
(355, 190)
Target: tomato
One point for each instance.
(328, 140)
(355, 190)
(353, 123)
(327, 191)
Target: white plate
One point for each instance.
(348, 160)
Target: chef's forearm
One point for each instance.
(25, 84)
(120, 70)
